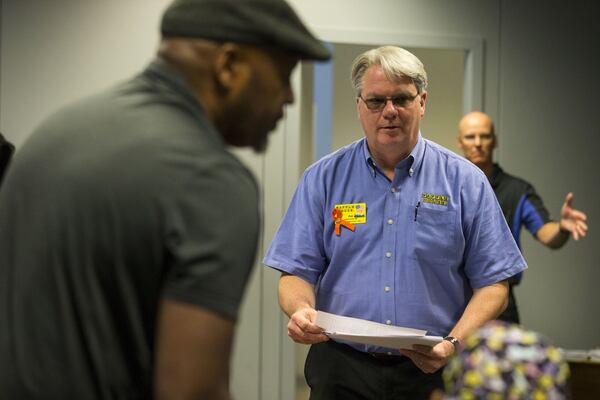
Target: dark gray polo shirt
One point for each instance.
(113, 203)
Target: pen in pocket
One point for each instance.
(417, 209)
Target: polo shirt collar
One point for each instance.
(496, 176)
(417, 155)
(412, 162)
(162, 70)
(159, 70)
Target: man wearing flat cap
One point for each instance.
(127, 231)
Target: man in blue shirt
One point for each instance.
(394, 229)
(521, 204)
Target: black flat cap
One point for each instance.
(259, 22)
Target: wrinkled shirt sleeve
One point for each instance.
(297, 247)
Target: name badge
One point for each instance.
(348, 215)
(354, 213)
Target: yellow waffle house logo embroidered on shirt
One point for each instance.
(434, 199)
(354, 213)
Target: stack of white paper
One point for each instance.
(582, 355)
(374, 333)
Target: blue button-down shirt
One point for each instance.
(431, 235)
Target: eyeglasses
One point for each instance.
(378, 103)
(483, 137)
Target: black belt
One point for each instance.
(387, 357)
(377, 356)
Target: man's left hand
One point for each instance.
(430, 359)
(572, 220)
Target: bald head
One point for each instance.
(477, 139)
(475, 118)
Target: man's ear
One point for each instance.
(423, 101)
(229, 65)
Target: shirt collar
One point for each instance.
(160, 69)
(496, 175)
(412, 162)
(417, 154)
(368, 159)
(167, 77)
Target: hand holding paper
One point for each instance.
(302, 329)
(374, 333)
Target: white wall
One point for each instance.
(56, 51)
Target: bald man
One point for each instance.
(521, 205)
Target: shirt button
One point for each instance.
(393, 190)
(387, 289)
(390, 221)
(388, 254)
(389, 322)
(411, 172)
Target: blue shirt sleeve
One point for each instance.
(298, 244)
(533, 213)
(491, 254)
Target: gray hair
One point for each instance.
(396, 62)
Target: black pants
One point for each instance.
(511, 314)
(335, 371)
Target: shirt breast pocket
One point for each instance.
(435, 237)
